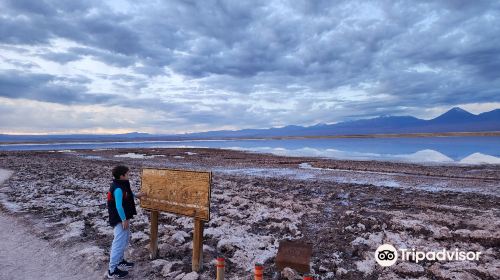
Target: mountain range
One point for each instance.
(454, 120)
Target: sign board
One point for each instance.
(182, 192)
(294, 254)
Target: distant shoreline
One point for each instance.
(161, 139)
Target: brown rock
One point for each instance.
(290, 274)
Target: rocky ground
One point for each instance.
(346, 209)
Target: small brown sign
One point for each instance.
(294, 254)
(182, 192)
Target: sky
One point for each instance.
(188, 66)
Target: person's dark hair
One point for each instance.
(119, 170)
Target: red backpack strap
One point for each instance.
(110, 195)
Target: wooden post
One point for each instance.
(259, 271)
(153, 245)
(197, 261)
(220, 268)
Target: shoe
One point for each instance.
(125, 264)
(117, 273)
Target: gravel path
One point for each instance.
(25, 256)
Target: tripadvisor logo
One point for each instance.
(387, 255)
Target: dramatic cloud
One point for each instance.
(202, 65)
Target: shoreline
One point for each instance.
(180, 139)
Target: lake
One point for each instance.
(454, 150)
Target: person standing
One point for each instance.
(121, 209)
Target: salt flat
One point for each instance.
(345, 208)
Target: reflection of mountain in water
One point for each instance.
(434, 156)
(478, 158)
(426, 156)
(422, 156)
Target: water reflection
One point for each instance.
(422, 156)
(442, 150)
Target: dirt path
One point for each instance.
(25, 256)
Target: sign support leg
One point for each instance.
(197, 261)
(153, 246)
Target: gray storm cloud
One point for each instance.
(252, 63)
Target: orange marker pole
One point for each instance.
(308, 277)
(220, 268)
(259, 271)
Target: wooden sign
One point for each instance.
(294, 254)
(182, 192)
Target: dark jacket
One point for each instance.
(128, 202)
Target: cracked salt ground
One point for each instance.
(400, 180)
(250, 213)
(268, 172)
(243, 245)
